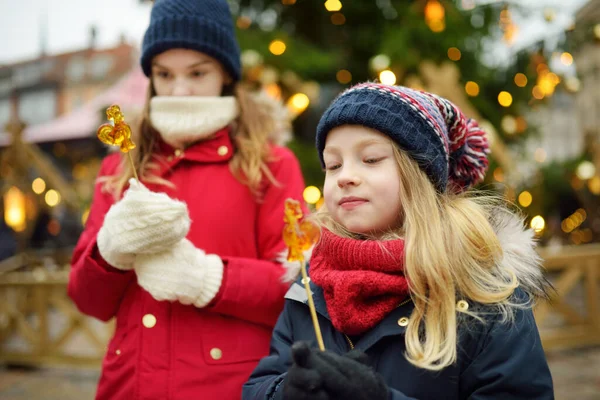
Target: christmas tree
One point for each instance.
(318, 48)
(306, 52)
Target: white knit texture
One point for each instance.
(181, 120)
(183, 273)
(143, 222)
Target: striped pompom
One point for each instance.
(468, 157)
(468, 147)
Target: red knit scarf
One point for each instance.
(362, 280)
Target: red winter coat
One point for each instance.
(164, 350)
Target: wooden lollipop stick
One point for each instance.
(311, 306)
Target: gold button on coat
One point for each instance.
(222, 151)
(149, 320)
(462, 305)
(403, 321)
(178, 153)
(118, 352)
(216, 353)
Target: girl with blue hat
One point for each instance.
(422, 290)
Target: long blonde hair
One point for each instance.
(451, 253)
(251, 134)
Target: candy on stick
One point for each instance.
(118, 133)
(299, 235)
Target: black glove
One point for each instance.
(323, 375)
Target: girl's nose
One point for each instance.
(181, 88)
(348, 177)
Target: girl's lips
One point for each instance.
(352, 204)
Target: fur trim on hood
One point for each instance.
(282, 130)
(520, 256)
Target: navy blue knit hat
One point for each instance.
(202, 25)
(451, 149)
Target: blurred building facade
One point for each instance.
(60, 99)
(41, 89)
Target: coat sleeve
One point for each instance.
(253, 289)
(266, 381)
(510, 365)
(95, 286)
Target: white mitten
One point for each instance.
(184, 273)
(142, 222)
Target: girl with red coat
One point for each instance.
(187, 258)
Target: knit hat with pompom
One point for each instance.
(449, 147)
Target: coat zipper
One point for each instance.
(350, 341)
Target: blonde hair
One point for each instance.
(250, 133)
(451, 252)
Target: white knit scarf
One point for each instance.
(181, 120)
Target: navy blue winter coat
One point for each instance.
(495, 360)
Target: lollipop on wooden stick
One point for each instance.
(299, 235)
(118, 133)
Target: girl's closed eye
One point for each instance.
(373, 160)
(332, 166)
(198, 74)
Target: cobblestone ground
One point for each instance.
(576, 375)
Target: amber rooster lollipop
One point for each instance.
(118, 134)
(299, 235)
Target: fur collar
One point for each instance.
(520, 255)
